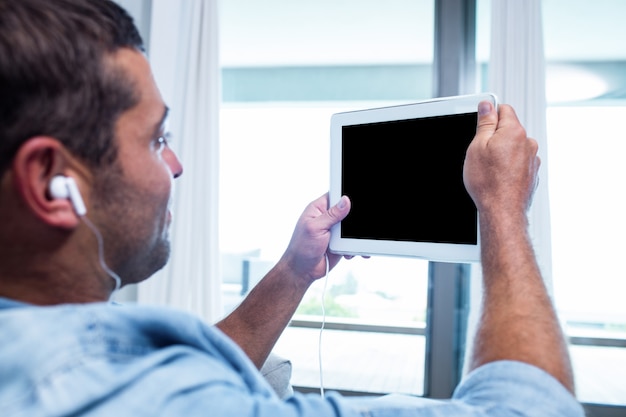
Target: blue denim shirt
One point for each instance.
(115, 361)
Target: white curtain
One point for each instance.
(183, 51)
(517, 77)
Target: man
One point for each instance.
(85, 183)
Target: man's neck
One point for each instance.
(51, 289)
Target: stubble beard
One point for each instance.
(127, 250)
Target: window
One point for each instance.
(588, 226)
(285, 72)
(586, 87)
(286, 68)
(586, 92)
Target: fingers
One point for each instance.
(501, 163)
(490, 120)
(317, 219)
(327, 218)
(340, 210)
(309, 242)
(318, 209)
(487, 121)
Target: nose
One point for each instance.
(172, 161)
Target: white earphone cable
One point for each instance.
(113, 275)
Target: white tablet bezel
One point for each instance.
(442, 252)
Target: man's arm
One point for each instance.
(518, 320)
(258, 322)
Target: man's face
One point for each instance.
(131, 202)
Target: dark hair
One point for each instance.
(56, 76)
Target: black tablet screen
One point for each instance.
(405, 180)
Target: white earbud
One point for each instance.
(65, 187)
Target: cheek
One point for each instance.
(161, 191)
(159, 179)
(158, 195)
(146, 199)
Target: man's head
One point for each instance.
(54, 75)
(77, 98)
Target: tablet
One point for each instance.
(402, 168)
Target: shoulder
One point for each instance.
(113, 330)
(517, 389)
(72, 356)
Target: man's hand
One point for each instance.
(309, 242)
(501, 164)
(259, 320)
(518, 320)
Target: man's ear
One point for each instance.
(36, 162)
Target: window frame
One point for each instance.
(448, 283)
(454, 73)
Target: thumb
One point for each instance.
(487, 120)
(340, 210)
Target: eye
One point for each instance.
(163, 140)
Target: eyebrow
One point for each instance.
(161, 121)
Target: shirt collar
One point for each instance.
(6, 303)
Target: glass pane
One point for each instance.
(588, 227)
(586, 92)
(586, 85)
(356, 361)
(286, 68)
